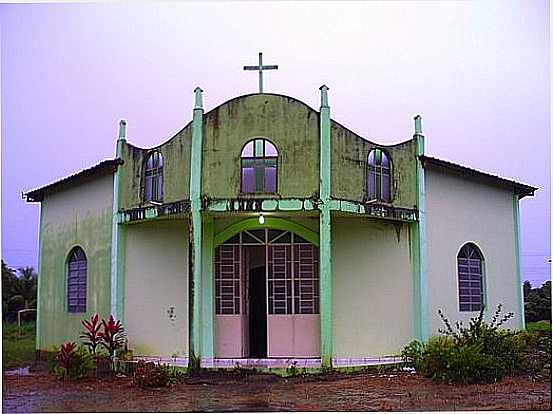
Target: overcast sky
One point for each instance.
(477, 72)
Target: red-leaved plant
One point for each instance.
(92, 334)
(113, 335)
(64, 354)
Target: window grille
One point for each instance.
(293, 277)
(76, 281)
(228, 263)
(469, 268)
(306, 279)
(379, 182)
(279, 280)
(259, 167)
(292, 272)
(153, 177)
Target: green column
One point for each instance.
(117, 265)
(195, 207)
(419, 250)
(207, 288)
(325, 262)
(40, 279)
(520, 291)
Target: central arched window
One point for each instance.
(471, 279)
(76, 281)
(258, 166)
(153, 177)
(379, 181)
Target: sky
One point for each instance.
(477, 72)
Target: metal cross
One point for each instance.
(261, 68)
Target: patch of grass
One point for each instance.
(538, 326)
(18, 350)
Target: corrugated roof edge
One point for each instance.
(104, 167)
(520, 189)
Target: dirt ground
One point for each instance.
(227, 392)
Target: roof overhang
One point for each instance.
(522, 190)
(103, 168)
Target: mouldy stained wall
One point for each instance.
(349, 167)
(176, 170)
(291, 125)
(78, 216)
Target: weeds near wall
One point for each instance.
(481, 352)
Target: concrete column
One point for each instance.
(325, 262)
(520, 291)
(195, 207)
(40, 280)
(420, 264)
(117, 249)
(208, 310)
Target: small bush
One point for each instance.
(150, 375)
(537, 346)
(72, 362)
(480, 352)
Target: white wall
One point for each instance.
(460, 211)
(372, 288)
(157, 279)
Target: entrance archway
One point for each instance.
(282, 320)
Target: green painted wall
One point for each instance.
(176, 170)
(291, 125)
(349, 167)
(78, 216)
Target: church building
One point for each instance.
(265, 232)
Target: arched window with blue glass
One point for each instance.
(470, 271)
(259, 167)
(379, 176)
(76, 281)
(153, 177)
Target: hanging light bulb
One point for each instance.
(261, 219)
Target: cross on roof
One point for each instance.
(261, 68)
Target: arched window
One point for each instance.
(258, 166)
(153, 177)
(76, 281)
(471, 280)
(379, 181)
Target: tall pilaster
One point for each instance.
(421, 322)
(117, 291)
(520, 291)
(325, 262)
(195, 207)
(208, 309)
(40, 280)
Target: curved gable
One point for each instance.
(291, 125)
(349, 167)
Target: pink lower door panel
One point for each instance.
(294, 336)
(229, 336)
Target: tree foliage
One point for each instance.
(19, 290)
(537, 302)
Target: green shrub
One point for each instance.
(150, 375)
(537, 347)
(481, 352)
(77, 364)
